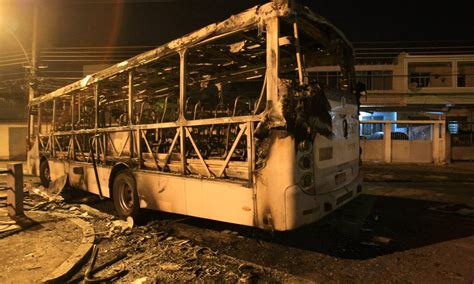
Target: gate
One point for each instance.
(408, 141)
(462, 140)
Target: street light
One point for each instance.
(9, 28)
(10, 31)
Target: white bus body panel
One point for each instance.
(204, 198)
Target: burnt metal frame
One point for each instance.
(182, 125)
(137, 132)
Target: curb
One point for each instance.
(78, 258)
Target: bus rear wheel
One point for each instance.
(45, 174)
(125, 195)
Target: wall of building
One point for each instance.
(467, 114)
(13, 141)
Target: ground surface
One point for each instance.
(31, 254)
(411, 224)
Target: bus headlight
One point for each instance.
(307, 184)
(304, 146)
(305, 162)
(306, 181)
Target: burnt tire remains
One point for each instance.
(45, 173)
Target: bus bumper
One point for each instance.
(303, 209)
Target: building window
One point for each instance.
(376, 79)
(465, 74)
(421, 79)
(430, 74)
(371, 130)
(453, 127)
(328, 79)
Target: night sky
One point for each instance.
(154, 22)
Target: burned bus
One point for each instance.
(224, 123)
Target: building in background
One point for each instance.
(13, 128)
(426, 84)
(414, 84)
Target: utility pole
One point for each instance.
(33, 165)
(34, 53)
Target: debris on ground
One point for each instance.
(147, 253)
(154, 255)
(459, 209)
(90, 271)
(394, 234)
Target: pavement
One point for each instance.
(382, 172)
(40, 246)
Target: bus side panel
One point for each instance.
(58, 169)
(220, 201)
(274, 180)
(215, 200)
(85, 180)
(161, 192)
(301, 208)
(91, 182)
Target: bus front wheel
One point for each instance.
(45, 174)
(125, 195)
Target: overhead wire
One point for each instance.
(61, 60)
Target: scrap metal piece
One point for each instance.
(90, 271)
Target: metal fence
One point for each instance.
(462, 133)
(400, 131)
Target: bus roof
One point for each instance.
(251, 17)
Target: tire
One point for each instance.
(45, 174)
(125, 195)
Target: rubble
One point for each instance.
(142, 253)
(159, 251)
(90, 271)
(459, 209)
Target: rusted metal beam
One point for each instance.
(196, 149)
(232, 149)
(149, 148)
(298, 52)
(182, 142)
(52, 145)
(70, 148)
(57, 143)
(41, 142)
(123, 146)
(186, 123)
(39, 119)
(73, 110)
(250, 152)
(182, 84)
(130, 97)
(96, 106)
(80, 148)
(139, 151)
(112, 143)
(273, 57)
(168, 156)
